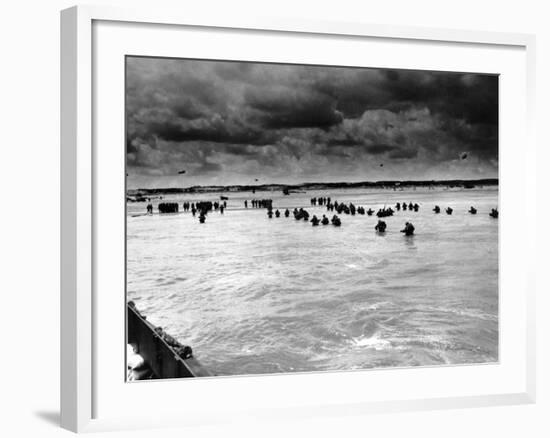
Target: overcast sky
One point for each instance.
(234, 122)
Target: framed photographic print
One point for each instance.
(287, 218)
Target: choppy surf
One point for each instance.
(254, 295)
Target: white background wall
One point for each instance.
(29, 220)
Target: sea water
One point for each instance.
(257, 295)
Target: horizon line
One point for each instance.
(408, 181)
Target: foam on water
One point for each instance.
(371, 342)
(258, 295)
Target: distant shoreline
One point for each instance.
(390, 184)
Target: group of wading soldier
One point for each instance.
(301, 214)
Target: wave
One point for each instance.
(469, 313)
(375, 342)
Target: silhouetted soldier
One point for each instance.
(380, 226)
(408, 230)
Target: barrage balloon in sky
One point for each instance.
(228, 123)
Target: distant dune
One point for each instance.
(458, 183)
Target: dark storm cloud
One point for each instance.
(348, 141)
(216, 130)
(378, 149)
(293, 109)
(404, 153)
(209, 167)
(304, 122)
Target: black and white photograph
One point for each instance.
(285, 218)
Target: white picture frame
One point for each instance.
(81, 366)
